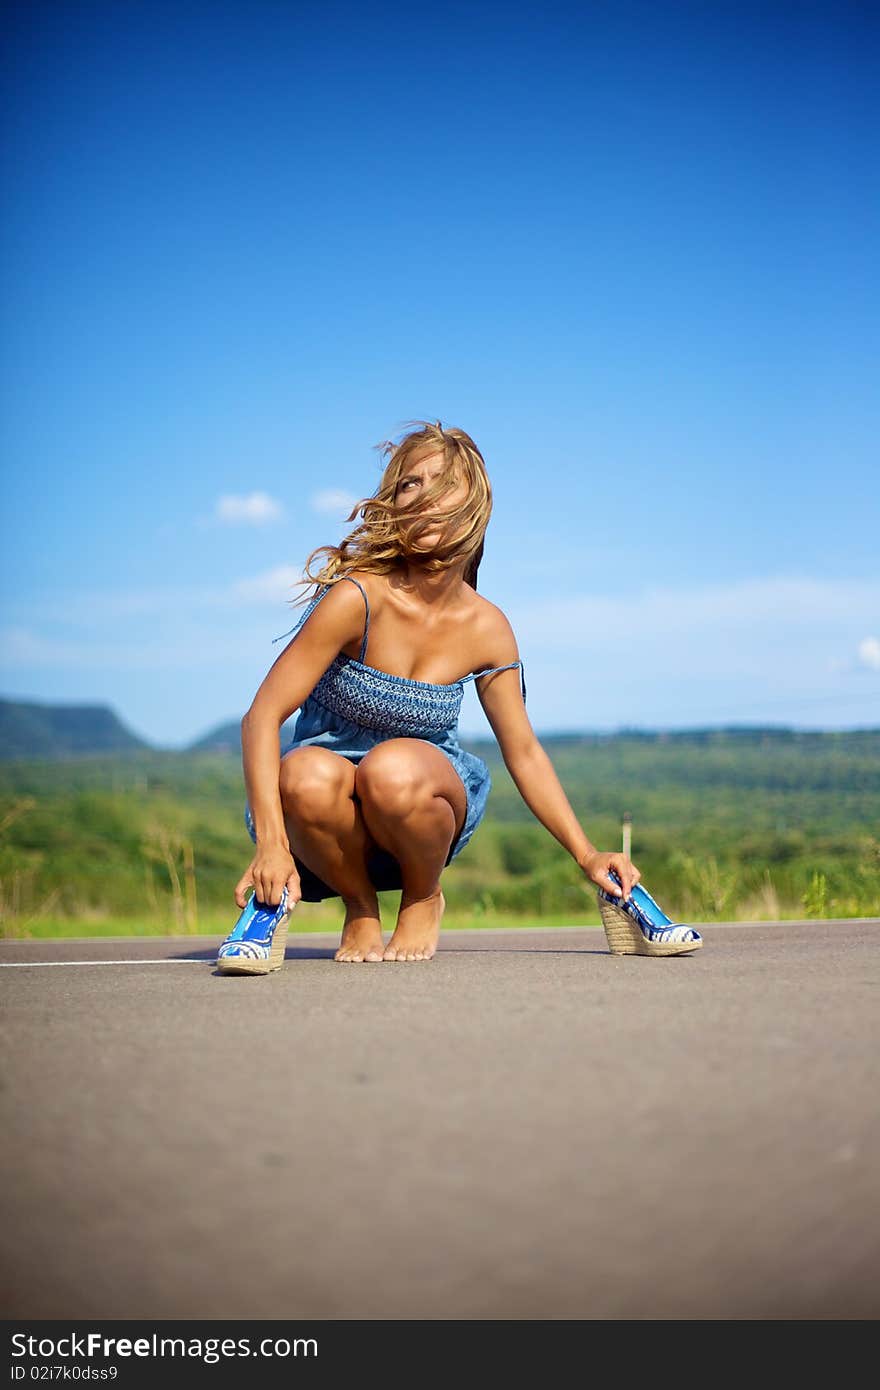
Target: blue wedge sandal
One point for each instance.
(255, 946)
(638, 927)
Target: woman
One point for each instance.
(373, 791)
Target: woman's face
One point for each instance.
(416, 478)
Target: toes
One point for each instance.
(353, 954)
(422, 951)
(407, 953)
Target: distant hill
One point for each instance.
(31, 730)
(42, 731)
(226, 738)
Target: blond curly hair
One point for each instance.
(384, 540)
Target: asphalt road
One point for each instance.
(525, 1127)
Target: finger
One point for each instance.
(624, 873)
(240, 895)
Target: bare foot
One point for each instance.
(418, 928)
(361, 933)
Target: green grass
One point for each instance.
(726, 826)
(50, 929)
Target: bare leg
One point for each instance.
(326, 829)
(413, 804)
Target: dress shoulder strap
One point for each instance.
(317, 599)
(367, 623)
(475, 676)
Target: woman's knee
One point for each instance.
(395, 780)
(313, 781)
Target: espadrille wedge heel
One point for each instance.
(255, 946)
(638, 927)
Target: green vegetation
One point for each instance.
(726, 825)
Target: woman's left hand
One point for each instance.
(596, 867)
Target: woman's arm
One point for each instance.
(335, 621)
(532, 771)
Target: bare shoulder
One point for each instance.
(496, 637)
(365, 577)
(373, 585)
(342, 606)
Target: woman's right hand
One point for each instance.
(269, 872)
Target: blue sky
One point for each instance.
(631, 248)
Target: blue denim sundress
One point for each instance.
(353, 707)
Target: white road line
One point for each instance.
(183, 960)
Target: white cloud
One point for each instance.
(333, 502)
(98, 607)
(23, 649)
(272, 586)
(720, 612)
(869, 653)
(781, 646)
(256, 509)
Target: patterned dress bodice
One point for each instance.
(378, 700)
(388, 704)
